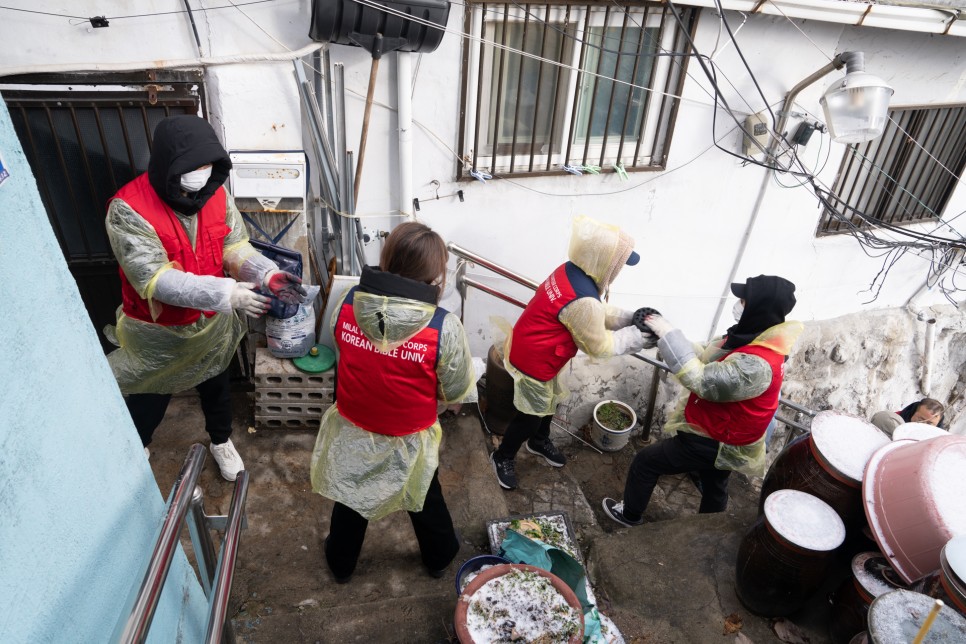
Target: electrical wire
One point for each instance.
(890, 250)
(512, 50)
(751, 74)
(84, 19)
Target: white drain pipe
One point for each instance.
(927, 353)
(404, 116)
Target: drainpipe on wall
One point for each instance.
(840, 61)
(927, 353)
(404, 116)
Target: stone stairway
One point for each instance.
(671, 580)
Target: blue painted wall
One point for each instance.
(79, 506)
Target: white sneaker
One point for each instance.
(147, 453)
(229, 462)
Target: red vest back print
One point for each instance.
(740, 422)
(205, 259)
(387, 393)
(541, 344)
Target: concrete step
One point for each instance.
(426, 619)
(284, 591)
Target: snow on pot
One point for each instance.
(513, 602)
(613, 422)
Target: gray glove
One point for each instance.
(675, 349)
(245, 300)
(628, 340)
(658, 325)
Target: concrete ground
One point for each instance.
(670, 580)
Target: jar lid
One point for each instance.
(917, 432)
(897, 616)
(874, 574)
(847, 442)
(804, 520)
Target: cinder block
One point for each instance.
(286, 398)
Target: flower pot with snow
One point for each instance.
(512, 602)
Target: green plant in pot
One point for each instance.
(613, 421)
(613, 416)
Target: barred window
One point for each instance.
(901, 177)
(569, 84)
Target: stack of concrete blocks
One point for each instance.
(286, 398)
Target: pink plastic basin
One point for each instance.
(915, 500)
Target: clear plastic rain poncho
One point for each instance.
(375, 474)
(167, 359)
(600, 250)
(740, 376)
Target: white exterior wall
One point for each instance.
(688, 220)
(688, 223)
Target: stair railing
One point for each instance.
(186, 502)
(463, 282)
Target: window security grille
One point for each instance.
(899, 178)
(82, 147)
(85, 137)
(593, 86)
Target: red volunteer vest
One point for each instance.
(205, 259)
(744, 421)
(541, 344)
(387, 393)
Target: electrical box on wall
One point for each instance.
(269, 177)
(270, 191)
(756, 126)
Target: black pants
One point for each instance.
(683, 453)
(147, 410)
(438, 544)
(521, 429)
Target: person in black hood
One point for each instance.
(764, 301)
(732, 389)
(175, 232)
(183, 145)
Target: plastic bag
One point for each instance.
(288, 260)
(294, 336)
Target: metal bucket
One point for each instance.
(611, 440)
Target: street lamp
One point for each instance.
(857, 106)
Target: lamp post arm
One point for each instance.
(851, 58)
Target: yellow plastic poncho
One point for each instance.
(740, 376)
(152, 358)
(375, 474)
(600, 250)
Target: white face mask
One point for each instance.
(737, 310)
(196, 179)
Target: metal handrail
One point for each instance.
(225, 572)
(464, 281)
(139, 610)
(134, 628)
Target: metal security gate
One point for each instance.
(85, 137)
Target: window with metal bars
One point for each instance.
(551, 85)
(905, 176)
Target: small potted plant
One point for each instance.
(613, 422)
